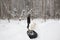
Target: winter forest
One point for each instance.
(14, 9)
(43, 23)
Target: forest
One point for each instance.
(14, 9)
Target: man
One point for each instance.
(28, 20)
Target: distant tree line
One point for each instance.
(46, 9)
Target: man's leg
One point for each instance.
(28, 26)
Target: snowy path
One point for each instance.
(16, 30)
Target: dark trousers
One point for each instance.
(28, 26)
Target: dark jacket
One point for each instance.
(28, 19)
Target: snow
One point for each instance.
(16, 30)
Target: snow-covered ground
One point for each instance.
(16, 30)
